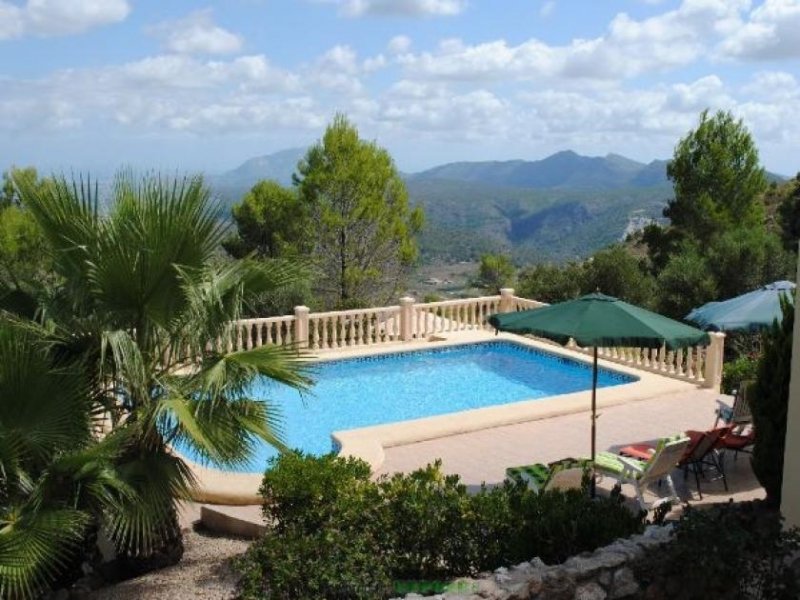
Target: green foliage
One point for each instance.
(685, 283)
(615, 272)
(55, 480)
(769, 404)
(555, 526)
(494, 272)
(300, 490)
(662, 243)
(727, 551)
(551, 283)
(734, 372)
(24, 262)
(314, 565)
(789, 216)
(741, 259)
(271, 222)
(149, 265)
(422, 526)
(364, 240)
(717, 178)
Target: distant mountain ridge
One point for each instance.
(561, 207)
(565, 169)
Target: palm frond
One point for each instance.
(35, 545)
(158, 477)
(221, 431)
(230, 374)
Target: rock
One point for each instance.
(558, 586)
(604, 579)
(623, 584)
(590, 591)
(502, 576)
(585, 566)
(537, 563)
(486, 588)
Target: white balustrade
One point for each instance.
(354, 328)
(410, 321)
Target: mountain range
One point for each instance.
(561, 207)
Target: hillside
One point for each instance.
(561, 207)
(561, 170)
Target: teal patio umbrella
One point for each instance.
(752, 311)
(597, 320)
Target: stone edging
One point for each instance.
(604, 574)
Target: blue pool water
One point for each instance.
(372, 390)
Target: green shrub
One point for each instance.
(337, 533)
(304, 490)
(736, 371)
(728, 551)
(557, 525)
(296, 564)
(769, 403)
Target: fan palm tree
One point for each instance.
(144, 295)
(56, 480)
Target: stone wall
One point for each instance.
(604, 574)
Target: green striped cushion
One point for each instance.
(610, 462)
(536, 476)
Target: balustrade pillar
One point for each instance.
(506, 300)
(301, 326)
(407, 318)
(713, 362)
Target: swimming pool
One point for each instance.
(372, 390)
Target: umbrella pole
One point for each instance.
(594, 419)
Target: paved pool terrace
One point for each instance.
(479, 444)
(482, 456)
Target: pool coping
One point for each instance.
(368, 443)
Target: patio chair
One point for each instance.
(739, 414)
(641, 473)
(702, 451)
(559, 475)
(738, 442)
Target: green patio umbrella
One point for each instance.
(597, 320)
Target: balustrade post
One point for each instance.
(301, 326)
(407, 318)
(713, 362)
(506, 300)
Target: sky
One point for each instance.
(92, 85)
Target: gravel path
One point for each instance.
(204, 573)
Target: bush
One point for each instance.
(337, 533)
(727, 551)
(304, 490)
(555, 526)
(736, 371)
(770, 402)
(296, 564)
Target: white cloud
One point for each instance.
(772, 31)
(628, 48)
(399, 44)
(197, 34)
(58, 17)
(404, 8)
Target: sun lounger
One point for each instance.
(700, 452)
(562, 474)
(641, 473)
